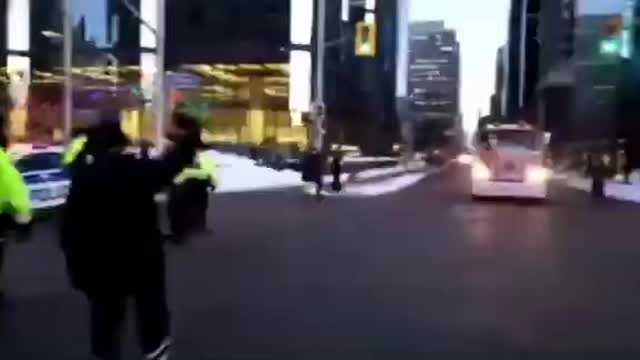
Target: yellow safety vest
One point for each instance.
(73, 150)
(14, 194)
(204, 169)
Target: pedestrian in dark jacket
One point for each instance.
(188, 201)
(313, 171)
(336, 171)
(111, 240)
(317, 168)
(598, 172)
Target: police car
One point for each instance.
(42, 170)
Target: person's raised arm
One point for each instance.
(160, 172)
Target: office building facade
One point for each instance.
(238, 54)
(597, 76)
(252, 61)
(433, 79)
(555, 84)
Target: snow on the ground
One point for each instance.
(238, 174)
(387, 186)
(377, 172)
(614, 190)
(366, 159)
(389, 171)
(344, 177)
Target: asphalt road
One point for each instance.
(424, 273)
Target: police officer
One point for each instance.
(75, 147)
(15, 205)
(110, 236)
(189, 197)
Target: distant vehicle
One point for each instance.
(44, 174)
(508, 161)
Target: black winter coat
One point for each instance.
(109, 230)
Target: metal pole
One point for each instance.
(67, 59)
(132, 9)
(318, 133)
(160, 105)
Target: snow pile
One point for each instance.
(623, 191)
(238, 174)
(613, 190)
(635, 177)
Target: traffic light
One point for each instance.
(610, 46)
(612, 43)
(366, 39)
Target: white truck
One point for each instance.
(509, 161)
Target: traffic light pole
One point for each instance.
(318, 118)
(159, 77)
(67, 59)
(159, 106)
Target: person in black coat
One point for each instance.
(110, 236)
(598, 172)
(336, 171)
(313, 170)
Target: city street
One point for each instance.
(422, 273)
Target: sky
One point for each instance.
(600, 6)
(95, 13)
(481, 27)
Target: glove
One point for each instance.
(23, 219)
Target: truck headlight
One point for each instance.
(537, 174)
(480, 171)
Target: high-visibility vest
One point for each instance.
(204, 169)
(208, 164)
(14, 194)
(73, 150)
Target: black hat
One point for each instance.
(106, 135)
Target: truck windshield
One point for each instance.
(519, 138)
